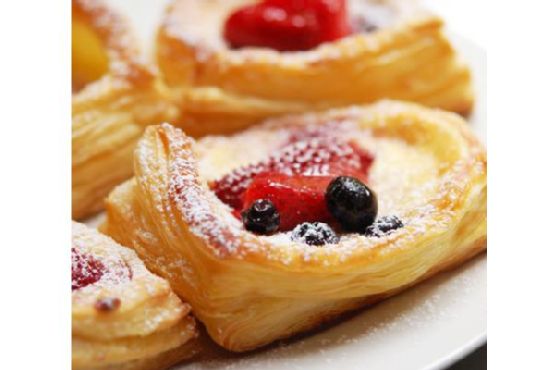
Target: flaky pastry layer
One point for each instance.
(148, 328)
(116, 93)
(250, 290)
(223, 90)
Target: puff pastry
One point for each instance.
(222, 90)
(123, 316)
(115, 94)
(250, 290)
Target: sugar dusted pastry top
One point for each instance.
(251, 286)
(108, 278)
(195, 28)
(224, 87)
(422, 170)
(200, 24)
(115, 93)
(123, 316)
(104, 37)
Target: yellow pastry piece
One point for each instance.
(89, 60)
(115, 95)
(222, 90)
(250, 290)
(123, 316)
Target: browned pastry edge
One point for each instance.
(109, 114)
(169, 203)
(222, 90)
(125, 61)
(209, 350)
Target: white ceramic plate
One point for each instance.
(428, 327)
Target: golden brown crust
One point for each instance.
(160, 362)
(117, 94)
(149, 324)
(223, 90)
(92, 20)
(250, 290)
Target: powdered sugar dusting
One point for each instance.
(404, 177)
(123, 54)
(196, 203)
(412, 183)
(98, 266)
(309, 156)
(220, 155)
(434, 312)
(122, 269)
(182, 22)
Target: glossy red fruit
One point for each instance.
(287, 25)
(85, 269)
(297, 198)
(318, 156)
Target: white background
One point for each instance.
(35, 179)
(466, 17)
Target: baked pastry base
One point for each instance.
(115, 95)
(251, 290)
(149, 326)
(221, 90)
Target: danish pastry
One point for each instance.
(395, 50)
(123, 316)
(115, 94)
(276, 229)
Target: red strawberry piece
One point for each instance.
(237, 214)
(287, 25)
(297, 198)
(323, 156)
(333, 18)
(85, 269)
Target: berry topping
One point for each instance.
(352, 203)
(297, 198)
(85, 269)
(384, 226)
(287, 25)
(316, 156)
(107, 304)
(261, 217)
(316, 233)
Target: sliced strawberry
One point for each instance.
(287, 25)
(85, 269)
(333, 18)
(297, 198)
(319, 156)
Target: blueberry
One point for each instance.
(315, 233)
(384, 226)
(352, 203)
(261, 217)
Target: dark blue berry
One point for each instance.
(314, 233)
(352, 203)
(261, 217)
(384, 226)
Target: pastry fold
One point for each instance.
(222, 90)
(125, 317)
(115, 94)
(251, 290)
